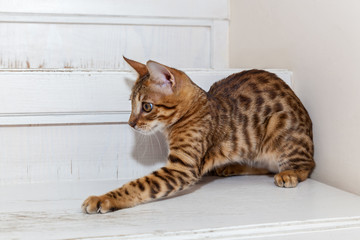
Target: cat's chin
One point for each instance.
(149, 131)
(145, 132)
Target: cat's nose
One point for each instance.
(132, 123)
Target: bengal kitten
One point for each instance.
(247, 121)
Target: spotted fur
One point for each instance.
(248, 123)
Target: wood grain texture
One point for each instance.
(241, 208)
(101, 46)
(72, 153)
(91, 35)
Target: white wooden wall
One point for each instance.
(91, 34)
(65, 87)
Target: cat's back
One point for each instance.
(258, 92)
(252, 82)
(258, 89)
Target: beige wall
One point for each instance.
(319, 40)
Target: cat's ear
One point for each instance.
(138, 67)
(161, 75)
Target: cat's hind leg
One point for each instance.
(291, 143)
(295, 161)
(236, 169)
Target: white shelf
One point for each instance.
(217, 208)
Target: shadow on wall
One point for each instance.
(150, 149)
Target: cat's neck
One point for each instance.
(194, 105)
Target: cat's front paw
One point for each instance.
(98, 204)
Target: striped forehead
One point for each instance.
(136, 99)
(140, 95)
(140, 82)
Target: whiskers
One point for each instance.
(141, 143)
(150, 146)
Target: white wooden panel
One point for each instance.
(95, 34)
(217, 9)
(101, 46)
(220, 44)
(57, 92)
(62, 153)
(248, 207)
(80, 97)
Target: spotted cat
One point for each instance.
(248, 123)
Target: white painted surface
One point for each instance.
(80, 34)
(64, 84)
(217, 9)
(85, 152)
(218, 208)
(102, 45)
(319, 42)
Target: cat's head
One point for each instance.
(160, 96)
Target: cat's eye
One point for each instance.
(147, 107)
